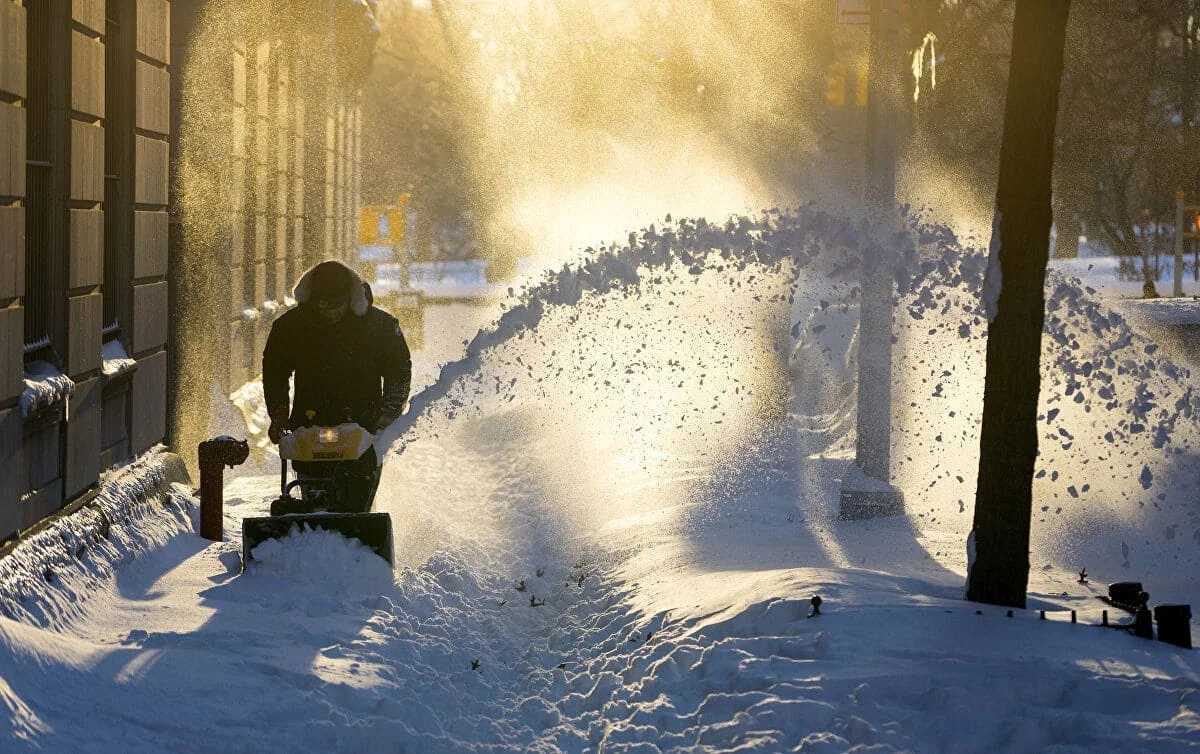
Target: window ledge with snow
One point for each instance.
(114, 361)
(45, 388)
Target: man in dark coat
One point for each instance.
(349, 360)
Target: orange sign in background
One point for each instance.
(382, 224)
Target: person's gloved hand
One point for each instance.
(279, 423)
(386, 418)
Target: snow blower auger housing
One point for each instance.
(339, 502)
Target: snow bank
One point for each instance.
(44, 386)
(46, 579)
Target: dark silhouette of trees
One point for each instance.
(1127, 132)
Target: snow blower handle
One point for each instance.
(283, 463)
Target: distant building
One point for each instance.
(159, 162)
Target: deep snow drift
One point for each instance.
(611, 514)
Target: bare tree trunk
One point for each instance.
(1066, 242)
(1149, 272)
(1187, 94)
(999, 573)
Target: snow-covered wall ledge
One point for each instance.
(45, 386)
(47, 575)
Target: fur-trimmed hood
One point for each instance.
(358, 292)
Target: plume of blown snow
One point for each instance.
(1111, 407)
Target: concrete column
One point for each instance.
(315, 167)
(281, 188)
(298, 254)
(356, 184)
(339, 178)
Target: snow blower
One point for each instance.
(339, 502)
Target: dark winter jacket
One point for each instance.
(358, 369)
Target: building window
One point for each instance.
(38, 166)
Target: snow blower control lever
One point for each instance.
(215, 455)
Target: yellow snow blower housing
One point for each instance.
(345, 442)
(339, 500)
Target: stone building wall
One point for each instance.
(116, 316)
(12, 254)
(83, 245)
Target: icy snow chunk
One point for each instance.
(44, 386)
(1147, 477)
(248, 399)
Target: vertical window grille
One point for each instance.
(37, 181)
(119, 72)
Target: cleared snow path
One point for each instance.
(609, 521)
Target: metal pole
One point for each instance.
(1178, 291)
(873, 450)
(872, 495)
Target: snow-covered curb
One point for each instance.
(45, 577)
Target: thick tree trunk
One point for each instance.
(999, 572)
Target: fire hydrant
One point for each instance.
(215, 455)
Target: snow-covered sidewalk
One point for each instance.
(182, 653)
